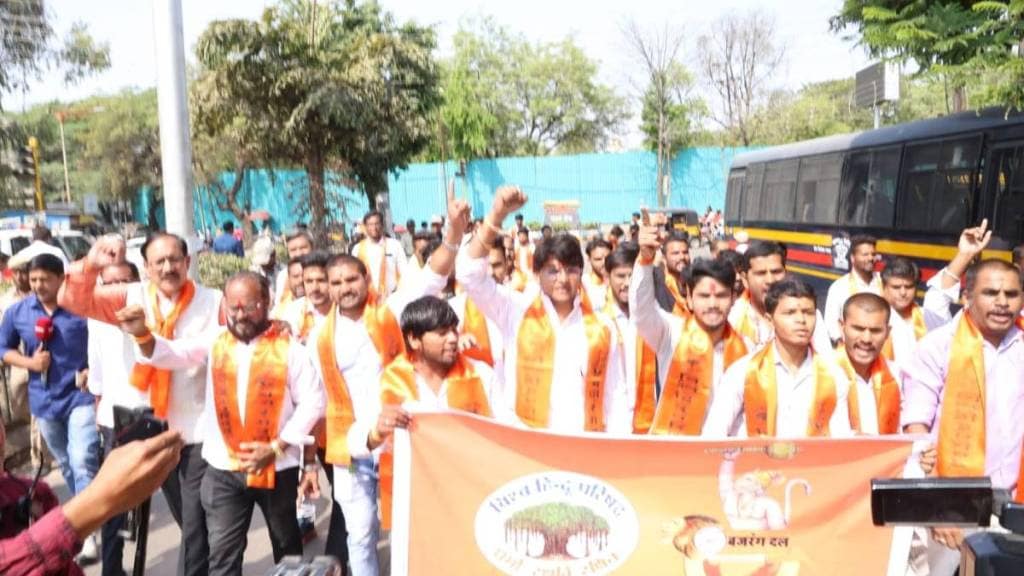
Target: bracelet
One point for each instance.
(275, 445)
(454, 248)
(950, 274)
(145, 339)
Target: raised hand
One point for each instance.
(507, 199)
(974, 240)
(651, 234)
(459, 214)
(133, 320)
(108, 249)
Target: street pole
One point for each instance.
(172, 101)
(64, 158)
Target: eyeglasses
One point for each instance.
(244, 309)
(552, 273)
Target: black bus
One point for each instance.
(913, 186)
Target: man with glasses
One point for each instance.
(175, 307)
(263, 398)
(563, 367)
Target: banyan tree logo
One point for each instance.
(562, 521)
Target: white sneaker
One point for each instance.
(90, 553)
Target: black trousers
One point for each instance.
(337, 534)
(182, 492)
(113, 544)
(229, 504)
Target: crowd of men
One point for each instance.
(317, 363)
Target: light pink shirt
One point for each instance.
(924, 379)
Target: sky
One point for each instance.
(813, 53)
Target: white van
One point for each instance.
(74, 244)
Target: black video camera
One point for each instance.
(957, 502)
(131, 424)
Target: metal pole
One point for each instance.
(172, 100)
(64, 157)
(878, 116)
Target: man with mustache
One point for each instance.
(262, 399)
(563, 367)
(351, 348)
(693, 351)
(306, 313)
(964, 386)
(595, 283)
(874, 399)
(175, 307)
(861, 278)
(299, 243)
(383, 256)
(807, 388)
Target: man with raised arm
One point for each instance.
(175, 307)
(563, 367)
(350, 349)
(692, 352)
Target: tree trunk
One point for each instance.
(661, 158)
(317, 196)
(959, 98)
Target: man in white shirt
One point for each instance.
(875, 389)
(176, 307)
(692, 353)
(299, 243)
(480, 337)
(350, 349)
(908, 322)
(111, 358)
(861, 278)
(809, 389)
(306, 313)
(563, 362)
(383, 257)
(262, 399)
(595, 282)
(764, 264)
(293, 286)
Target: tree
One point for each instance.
(121, 141)
(323, 86)
(738, 59)
(978, 43)
(670, 112)
(505, 96)
(27, 47)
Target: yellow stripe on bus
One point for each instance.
(911, 249)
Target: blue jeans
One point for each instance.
(356, 490)
(75, 444)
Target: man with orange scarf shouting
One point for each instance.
(965, 386)
(787, 389)
(175, 307)
(874, 400)
(692, 352)
(262, 399)
(350, 349)
(563, 361)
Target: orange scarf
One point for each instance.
(286, 296)
(747, 326)
(381, 277)
(646, 373)
(383, 329)
(475, 324)
(920, 329)
(308, 321)
(687, 390)
(519, 280)
(268, 378)
(535, 362)
(885, 387)
(398, 384)
(524, 252)
(145, 377)
(760, 395)
(680, 308)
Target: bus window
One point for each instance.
(1009, 193)
(734, 196)
(869, 188)
(937, 182)
(818, 190)
(780, 190)
(752, 193)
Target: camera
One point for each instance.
(957, 502)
